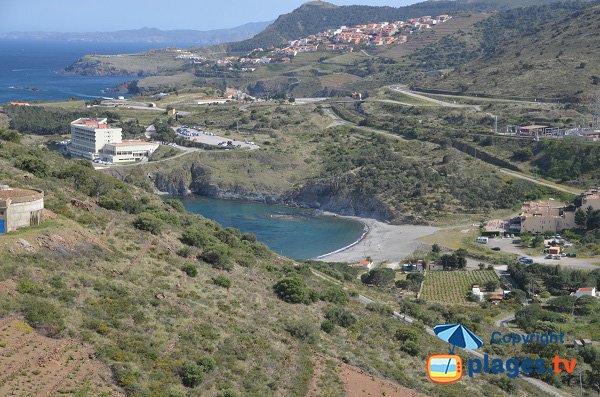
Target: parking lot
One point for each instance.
(209, 138)
(506, 245)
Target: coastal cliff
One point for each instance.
(197, 179)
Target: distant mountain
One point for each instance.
(148, 35)
(317, 16)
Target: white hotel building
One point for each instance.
(92, 138)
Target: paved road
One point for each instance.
(541, 182)
(407, 91)
(402, 317)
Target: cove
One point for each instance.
(293, 232)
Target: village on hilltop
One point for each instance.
(344, 38)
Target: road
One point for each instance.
(541, 182)
(402, 317)
(407, 91)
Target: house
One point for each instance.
(435, 266)
(19, 104)
(554, 250)
(541, 217)
(363, 264)
(532, 130)
(577, 344)
(476, 291)
(585, 291)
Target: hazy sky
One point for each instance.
(109, 15)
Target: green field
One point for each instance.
(452, 287)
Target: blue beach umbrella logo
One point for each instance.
(458, 335)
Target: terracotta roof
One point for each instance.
(585, 289)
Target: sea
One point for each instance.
(31, 70)
(293, 232)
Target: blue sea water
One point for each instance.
(293, 232)
(30, 71)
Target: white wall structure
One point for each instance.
(20, 208)
(128, 151)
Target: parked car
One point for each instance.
(526, 260)
(495, 248)
(556, 257)
(548, 257)
(571, 255)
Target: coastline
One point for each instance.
(381, 241)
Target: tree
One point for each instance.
(537, 241)
(291, 289)
(380, 277)
(191, 374)
(491, 285)
(580, 218)
(34, 165)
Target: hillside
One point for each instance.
(540, 52)
(176, 305)
(318, 16)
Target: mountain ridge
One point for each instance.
(148, 35)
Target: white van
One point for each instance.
(482, 240)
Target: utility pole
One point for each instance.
(496, 125)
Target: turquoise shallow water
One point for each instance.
(293, 232)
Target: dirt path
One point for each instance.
(141, 254)
(541, 182)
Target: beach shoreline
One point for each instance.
(380, 241)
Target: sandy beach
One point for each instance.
(383, 242)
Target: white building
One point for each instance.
(92, 138)
(591, 291)
(128, 151)
(89, 135)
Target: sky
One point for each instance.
(110, 15)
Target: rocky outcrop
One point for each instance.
(93, 67)
(324, 195)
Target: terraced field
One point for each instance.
(35, 365)
(452, 287)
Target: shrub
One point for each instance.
(380, 277)
(404, 335)
(340, 316)
(291, 290)
(327, 326)
(227, 393)
(190, 270)
(33, 165)
(43, 315)
(207, 364)
(303, 330)
(217, 258)
(148, 222)
(177, 204)
(411, 348)
(222, 281)
(335, 295)
(191, 374)
(195, 237)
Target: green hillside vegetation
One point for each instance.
(536, 52)
(318, 16)
(177, 305)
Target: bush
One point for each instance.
(222, 281)
(148, 222)
(291, 290)
(335, 295)
(303, 330)
(207, 364)
(177, 204)
(411, 348)
(327, 326)
(33, 165)
(340, 316)
(227, 393)
(195, 237)
(217, 258)
(43, 315)
(190, 270)
(404, 335)
(380, 277)
(191, 374)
